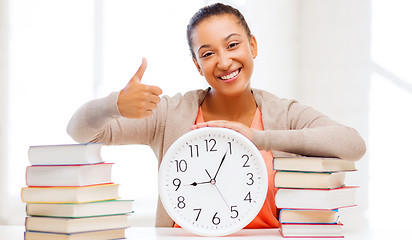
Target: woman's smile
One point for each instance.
(230, 76)
(225, 54)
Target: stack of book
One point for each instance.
(311, 191)
(70, 195)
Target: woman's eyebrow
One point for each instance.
(231, 35)
(203, 46)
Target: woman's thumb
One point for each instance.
(139, 74)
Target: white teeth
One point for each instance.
(230, 75)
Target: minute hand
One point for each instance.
(221, 162)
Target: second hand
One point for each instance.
(213, 182)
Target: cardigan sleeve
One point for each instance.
(310, 133)
(99, 120)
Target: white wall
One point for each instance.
(4, 70)
(334, 71)
(276, 27)
(318, 52)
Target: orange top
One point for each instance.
(268, 215)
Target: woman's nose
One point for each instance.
(224, 61)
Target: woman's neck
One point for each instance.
(240, 108)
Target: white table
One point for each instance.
(151, 233)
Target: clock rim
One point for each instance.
(191, 228)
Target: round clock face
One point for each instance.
(213, 181)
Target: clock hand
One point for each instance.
(197, 183)
(221, 162)
(208, 174)
(222, 196)
(213, 182)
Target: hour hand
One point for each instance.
(197, 183)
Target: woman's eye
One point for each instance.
(232, 45)
(206, 54)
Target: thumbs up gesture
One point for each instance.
(138, 100)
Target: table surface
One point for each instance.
(148, 233)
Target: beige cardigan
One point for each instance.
(289, 128)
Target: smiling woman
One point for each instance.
(57, 60)
(224, 55)
(224, 49)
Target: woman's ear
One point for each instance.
(253, 46)
(197, 66)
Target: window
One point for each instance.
(390, 114)
(64, 53)
(50, 67)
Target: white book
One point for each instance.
(69, 175)
(92, 235)
(313, 164)
(79, 210)
(65, 154)
(83, 194)
(327, 180)
(315, 198)
(318, 216)
(294, 230)
(75, 225)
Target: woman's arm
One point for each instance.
(100, 121)
(329, 141)
(120, 118)
(308, 133)
(89, 123)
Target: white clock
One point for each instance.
(213, 181)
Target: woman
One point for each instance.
(223, 50)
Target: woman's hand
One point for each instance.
(138, 100)
(237, 126)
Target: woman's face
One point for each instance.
(224, 54)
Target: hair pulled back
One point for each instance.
(209, 11)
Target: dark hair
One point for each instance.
(209, 11)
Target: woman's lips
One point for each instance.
(231, 76)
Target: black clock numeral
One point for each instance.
(198, 214)
(248, 197)
(194, 150)
(251, 179)
(180, 202)
(176, 182)
(234, 212)
(247, 160)
(215, 219)
(212, 145)
(230, 147)
(181, 165)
